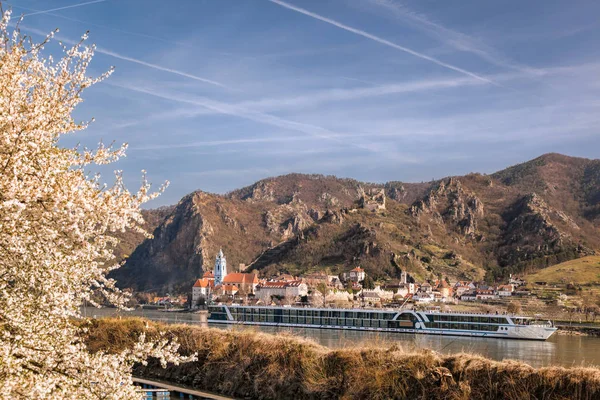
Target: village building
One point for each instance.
(209, 275)
(219, 283)
(370, 296)
(444, 288)
(426, 287)
(226, 290)
(290, 290)
(470, 285)
(437, 296)
(460, 290)
(424, 297)
(485, 294)
(355, 275)
(516, 281)
(399, 288)
(505, 290)
(203, 288)
(469, 296)
(335, 282)
(201, 291)
(245, 283)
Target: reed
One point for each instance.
(251, 364)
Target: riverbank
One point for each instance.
(578, 330)
(250, 364)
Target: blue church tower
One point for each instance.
(220, 268)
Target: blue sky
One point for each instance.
(216, 94)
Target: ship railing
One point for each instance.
(543, 324)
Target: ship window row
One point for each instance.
(466, 318)
(218, 316)
(312, 313)
(366, 323)
(459, 326)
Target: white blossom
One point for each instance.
(56, 226)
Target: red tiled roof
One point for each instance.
(357, 269)
(208, 274)
(204, 282)
(240, 278)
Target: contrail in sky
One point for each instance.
(135, 60)
(65, 7)
(256, 116)
(382, 41)
(88, 23)
(452, 38)
(158, 67)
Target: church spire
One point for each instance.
(220, 267)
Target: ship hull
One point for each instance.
(517, 333)
(407, 322)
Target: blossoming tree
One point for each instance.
(56, 226)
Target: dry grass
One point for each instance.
(249, 364)
(585, 270)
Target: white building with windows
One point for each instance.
(290, 290)
(424, 297)
(505, 290)
(355, 275)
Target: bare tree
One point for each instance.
(514, 307)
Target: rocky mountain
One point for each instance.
(525, 217)
(129, 240)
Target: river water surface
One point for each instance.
(558, 350)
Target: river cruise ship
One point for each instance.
(407, 321)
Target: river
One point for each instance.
(562, 350)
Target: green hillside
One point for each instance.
(583, 270)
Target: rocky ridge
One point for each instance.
(525, 217)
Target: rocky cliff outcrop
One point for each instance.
(449, 203)
(372, 199)
(532, 234)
